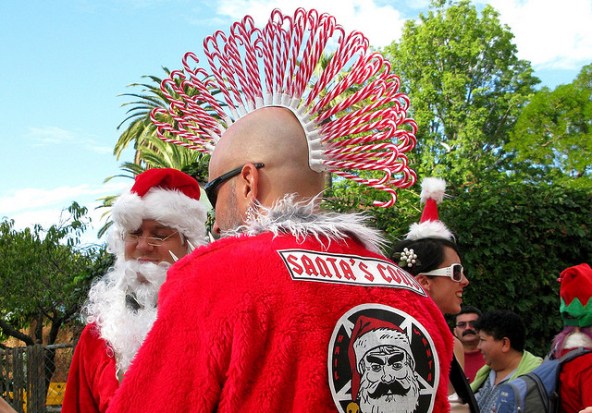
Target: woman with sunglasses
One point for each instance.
(431, 255)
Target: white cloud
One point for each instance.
(50, 135)
(30, 206)
(548, 34)
(53, 135)
(551, 35)
(379, 22)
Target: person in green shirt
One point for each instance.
(501, 341)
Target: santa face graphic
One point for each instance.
(382, 359)
(388, 381)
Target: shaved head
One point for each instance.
(273, 136)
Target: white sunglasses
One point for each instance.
(454, 272)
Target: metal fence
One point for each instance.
(33, 378)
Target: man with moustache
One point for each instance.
(158, 222)
(381, 354)
(464, 330)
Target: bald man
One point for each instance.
(271, 136)
(261, 320)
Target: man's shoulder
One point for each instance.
(269, 243)
(529, 360)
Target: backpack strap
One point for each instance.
(555, 401)
(461, 386)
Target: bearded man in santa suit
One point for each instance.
(158, 222)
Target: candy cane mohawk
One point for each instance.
(277, 65)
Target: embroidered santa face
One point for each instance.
(382, 360)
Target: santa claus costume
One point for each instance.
(575, 379)
(262, 320)
(120, 309)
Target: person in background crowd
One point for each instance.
(464, 330)
(501, 340)
(431, 254)
(158, 222)
(575, 379)
(293, 309)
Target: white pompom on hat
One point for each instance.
(430, 226)
(168, 196)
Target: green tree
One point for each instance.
(466, 86)
(45, 276)
(150, 150)
(553, 135)
(141, 131)
(516, 238)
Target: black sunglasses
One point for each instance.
(211, 188)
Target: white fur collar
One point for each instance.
(301, 219)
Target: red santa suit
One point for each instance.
(91, 379)
(120, 308)
(258, 323)
(575, 388)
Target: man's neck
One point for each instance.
(470, 347)
(508, 367)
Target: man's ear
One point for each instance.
(249, 181)
(423, 281)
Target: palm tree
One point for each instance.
(150, 150)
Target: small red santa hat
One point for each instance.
(168, 196)
(370, 333)
(432, 193)
(575, 293)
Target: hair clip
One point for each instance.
(407, 258)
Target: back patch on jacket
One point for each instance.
(305, 265)
(382, 360)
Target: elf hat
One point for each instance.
(575, 292)
(430, 226)
(168, 196)
(370, 333)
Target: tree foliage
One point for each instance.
(150, 150)
(553, 135)
(516, 231)
(466, 87)
(516, 238)
(45, 276)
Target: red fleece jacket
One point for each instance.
(262, 324)
(91, 378)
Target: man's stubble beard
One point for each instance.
(232, 218)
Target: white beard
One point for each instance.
(122, 326)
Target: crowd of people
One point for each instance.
(293, 308)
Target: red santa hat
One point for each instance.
(432, 193)
(575, 292)
(168, 196)
(370, 333)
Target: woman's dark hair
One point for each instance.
(429, 251)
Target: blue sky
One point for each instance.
(64, 65)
